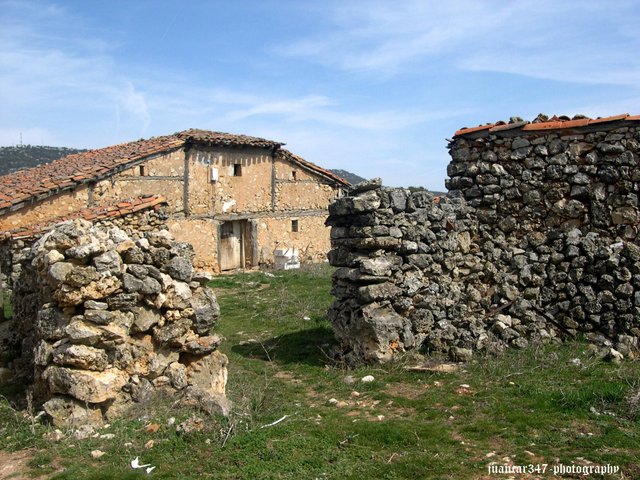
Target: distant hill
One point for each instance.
(27, 156)
(352, 178)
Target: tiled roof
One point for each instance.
(542, 123)
(93, 214)
(68, 172)
(287, 155)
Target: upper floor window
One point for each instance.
(143, 170)
(237, 170)
(294, 175)
(295, 227)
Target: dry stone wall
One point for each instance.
(108, 319)
(521, 182)
(536, 241)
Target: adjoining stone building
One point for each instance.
(236, 198)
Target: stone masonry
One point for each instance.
(108, 319)
(537, 240)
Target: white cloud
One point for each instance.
(134, 104)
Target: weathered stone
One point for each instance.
(80, 356)
(380, 266)
(178, 296)
(177, 374)
(208, 372)
(206, 401)
(51, 323)
(378, 291)
(58, 272)
(84, 251)
(160, 360)
(160, 238)
(68, 413)
(180, 268)
(205, 310)
(110, 261)
(365, 185)
(68, 295)
(122, 301)
(144, 318)
(202, 345)
(625, 215)
(99, 317)
(201, 277)
(94, 305)
(85, 385)
(171, 333)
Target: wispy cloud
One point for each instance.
(573, 41)
(49, 62)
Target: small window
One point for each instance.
(294, 175)
(237, 170)
(294, 225)
(143, 170)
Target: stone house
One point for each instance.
(236, 198)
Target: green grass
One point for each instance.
(531, 406)
(6, 305)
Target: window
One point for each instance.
(143, 170)
(294, 225)
(294, 175)
(237, 170)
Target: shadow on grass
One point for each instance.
(310, 347)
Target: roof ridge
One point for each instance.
(313, 166)
(543, 122)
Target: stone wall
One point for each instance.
(107, 319)
(417, 271)
(522, 181)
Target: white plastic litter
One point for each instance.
(135, 463)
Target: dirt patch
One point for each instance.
(288, 376)
(407, 390)
(15, 465)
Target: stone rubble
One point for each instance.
(537, 241)
(107, 320)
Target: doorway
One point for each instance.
(235, 246)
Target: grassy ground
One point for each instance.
(529, 407)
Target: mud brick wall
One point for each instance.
(107, 319)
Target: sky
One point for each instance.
(373, 87)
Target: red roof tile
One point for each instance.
(465, 130)
(553, 123)
(93, 213)
(610, 119)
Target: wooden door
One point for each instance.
(230, 245)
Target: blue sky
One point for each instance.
(374, 87)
